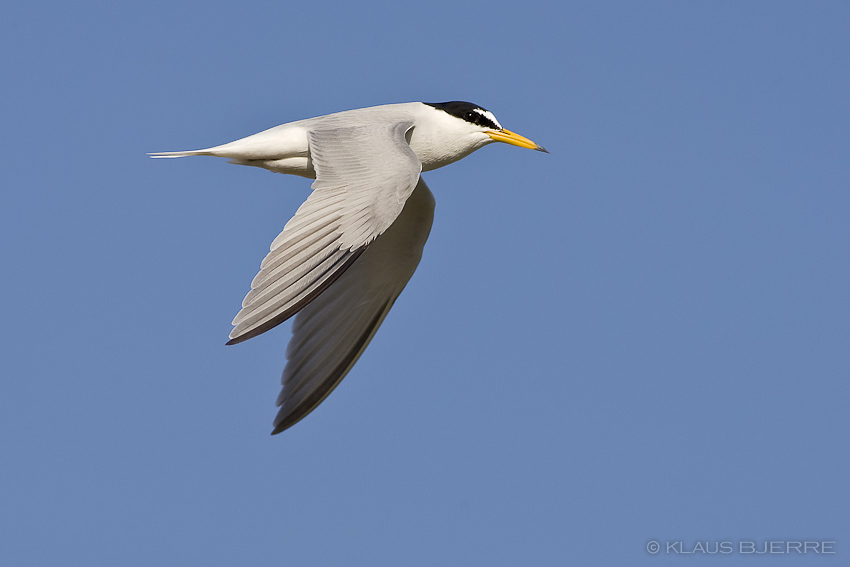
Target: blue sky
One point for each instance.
(642, 336)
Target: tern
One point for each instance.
(343, 259)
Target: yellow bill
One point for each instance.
(515, 139)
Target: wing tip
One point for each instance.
(251, 330)
(290, 420)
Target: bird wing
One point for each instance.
(364, 175)
(330, 334)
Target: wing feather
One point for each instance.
(330, 334)
(364, 174)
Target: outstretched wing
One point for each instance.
(364, 176)
(331, 333)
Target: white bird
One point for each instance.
(344, 258)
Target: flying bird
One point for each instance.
(352, 246)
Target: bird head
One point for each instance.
(480, 120)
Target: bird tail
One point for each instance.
(206, 152)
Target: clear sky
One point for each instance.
(643, 336)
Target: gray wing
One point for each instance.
(331, 333)
(364, 175)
